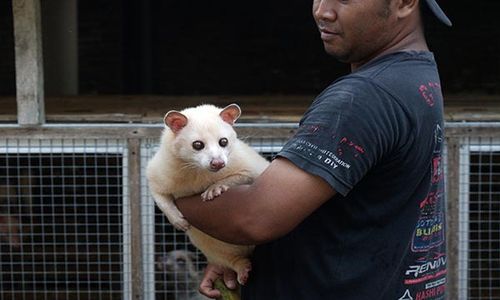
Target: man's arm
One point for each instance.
(278, 200)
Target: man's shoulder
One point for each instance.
(398, 67)
(350, 84)
(392, 82)
(358, 89)
(392, 77)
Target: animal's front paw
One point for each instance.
(179, 222)
(215, 190)
(182, 224)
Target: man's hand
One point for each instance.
(212, 272)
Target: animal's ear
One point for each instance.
(175, 120)
(230, 113)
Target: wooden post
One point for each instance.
(29, 62)
(134, 181)
(452, 217)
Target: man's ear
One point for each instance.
(230, 113)
(175, 120)
(406, 7)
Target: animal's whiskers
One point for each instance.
(188, 166)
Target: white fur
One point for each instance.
(177, 170)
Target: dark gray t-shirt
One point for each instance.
(376, 136)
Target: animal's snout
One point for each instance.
(217, 164)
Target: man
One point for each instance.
(353, 205)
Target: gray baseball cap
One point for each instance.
(438, 12)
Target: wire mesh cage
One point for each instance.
(77, 220)
(67, 222)
(480, 218)
(61, 219)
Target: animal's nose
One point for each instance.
(217, 164)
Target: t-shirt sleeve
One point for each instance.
(347, 130)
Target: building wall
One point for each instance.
(256, 47)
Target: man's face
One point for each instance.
(354, 30)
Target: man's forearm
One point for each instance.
(273, 205)
(223, 217)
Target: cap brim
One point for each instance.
(438, 12)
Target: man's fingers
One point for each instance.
(230, 279)
(207, 288)
(207, 283)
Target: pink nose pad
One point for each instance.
(217, 164)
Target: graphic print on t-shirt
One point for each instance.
(427, 274)
(429, 232)
(428, 90)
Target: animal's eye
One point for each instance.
(180, 261)
(198, 145)
(223, 142)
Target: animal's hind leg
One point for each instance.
(242, 266)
